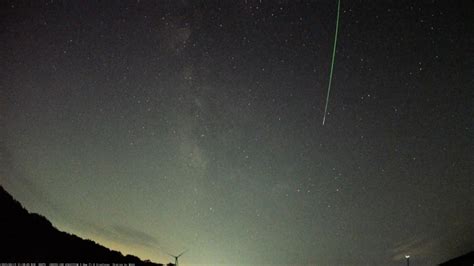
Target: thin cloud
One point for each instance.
(126, 235)
(135, 236)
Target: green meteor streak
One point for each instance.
(332, 61)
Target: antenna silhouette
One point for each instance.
(177, 256)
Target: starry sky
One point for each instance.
(159, 126)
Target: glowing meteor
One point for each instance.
(332, 61)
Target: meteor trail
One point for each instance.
(332, 61)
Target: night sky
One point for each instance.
(159, 126)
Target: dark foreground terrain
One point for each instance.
(464, 260)
(29, 237)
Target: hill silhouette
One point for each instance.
(464, 260)
(30, 237)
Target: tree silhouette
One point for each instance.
(30, 237)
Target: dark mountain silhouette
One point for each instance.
(30, 237)
(464, 260)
